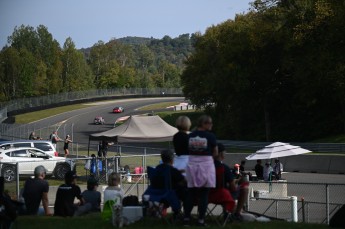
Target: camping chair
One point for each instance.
(220, 196)
(164, 195)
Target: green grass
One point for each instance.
(158, 106)
(93, 221)
(332, 139)
(37, 115)
(171, 116)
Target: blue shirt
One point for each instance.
(201, 143)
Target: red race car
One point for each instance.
(118, 110)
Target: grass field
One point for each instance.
(171, 116)
(37, 115)
(94, 221)
(158, 106)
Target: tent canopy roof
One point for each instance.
(138, 129)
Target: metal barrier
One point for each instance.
(316, 202)
(25, 103)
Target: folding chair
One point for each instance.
(220, 196)
(163, 195)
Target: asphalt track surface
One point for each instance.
(81, 120)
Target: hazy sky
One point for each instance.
(88, 21)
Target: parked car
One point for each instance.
(46, 146)
(118, 110)
(99, 120)
(28, 158)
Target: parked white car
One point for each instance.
(46, 146)
(28, 159)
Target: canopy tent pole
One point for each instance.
(88, 148)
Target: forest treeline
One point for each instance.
(33, 63)
(274, 73)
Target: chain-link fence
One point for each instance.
(316, 203)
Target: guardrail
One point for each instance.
(27, 103)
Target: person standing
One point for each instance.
(277, 169)
(66, 143)
(268, 172)
(180, 141)
(200, 170)
(54, 138)
(65, 195)
(259, 170)
(36, 190)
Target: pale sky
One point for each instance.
(88, 21)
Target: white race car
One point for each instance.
(27, 160)
(99, 120)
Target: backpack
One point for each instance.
(108, 210)
(130, 201)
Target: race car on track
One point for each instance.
(118, 110)
(99, 120)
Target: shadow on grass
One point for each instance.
(94, 221)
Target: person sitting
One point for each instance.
(65, 195)
(176, 181)
(8, 207)
(113, 191)
(92, 198)
(224, 183)
(180, 141)
(259, 170)
(36, 190)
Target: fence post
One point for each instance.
(17, 180)
(277, 209)
(294, 210)
(303, 209)
(327, 203)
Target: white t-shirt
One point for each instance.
(113, 193)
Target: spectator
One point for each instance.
(241, 196)
(8, 208)
(277, 169)
(36, 190)
(33, 136)
(54, 138)
(66, 143)
(180, 141)
(224, 184)
(267, 171)
(100, 149)
(92, 198)
(105, 146)
(243, 163)
(65, 195)
(200, 170)
(178, 182)
(113, 191)
(259, 170)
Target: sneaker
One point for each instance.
(186, 222)
(236, 217)
(201, 224)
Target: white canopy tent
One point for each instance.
(276, 150)
(138, 129)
